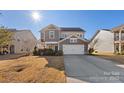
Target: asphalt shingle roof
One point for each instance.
(71, 29)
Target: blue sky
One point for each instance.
(91, 21)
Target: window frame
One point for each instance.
(53, 33)
(116, 36)
(122, 36)
(73, 40)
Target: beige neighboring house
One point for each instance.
(102, 42)
(68, 39)
(118, 39)
(39, 45)
(23, 41)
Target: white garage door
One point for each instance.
(73, 49)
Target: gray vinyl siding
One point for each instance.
(47, 39)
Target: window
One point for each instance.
(116, 36)
(63, 35)
(117, 47)
(122, 47)
(18, 40)
(51, 34)
(122, 36)
(78, 35)
(73, 40)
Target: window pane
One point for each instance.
(116, 36)
(122, 36)
(51, 34)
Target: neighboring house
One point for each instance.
(118, 39)
(23, 41)
(39, 45)
(102, 42)
(68, 39)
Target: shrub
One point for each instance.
(40, 52)
(48, 52)
(59, 53)
(35, 52)
(91, 50)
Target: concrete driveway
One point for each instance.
(85, 68)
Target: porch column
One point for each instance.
(119, 47)
(120, 41)
(58, 46)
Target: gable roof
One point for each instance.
(97, 32)
(52, 26)
(117, 28)
(85, 40)
(19, 32)
(72, 29)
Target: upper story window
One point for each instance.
(18, 40)
(63, 35)
(73, 40)
(78, 35)
(51, 34)
(116, 36)
(122, 36)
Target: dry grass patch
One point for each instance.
(31, 69)
(115, 58)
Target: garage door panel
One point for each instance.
(73, 49)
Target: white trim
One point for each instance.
(44, 35)
(65, 38)
(46, 28)
(58, 46)
(71, 36)
(51, 42)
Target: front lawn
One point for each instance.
(33, 69)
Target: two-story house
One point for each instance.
(118, 39)
(108, 41)
(23, 41)
(102, 42)
(68, 39)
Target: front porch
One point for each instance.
(118, 39)
(52, 45)
(7, 49)
(119, 48)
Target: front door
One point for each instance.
(56, 48)
(12, 49)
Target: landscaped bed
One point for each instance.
(33, 69)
